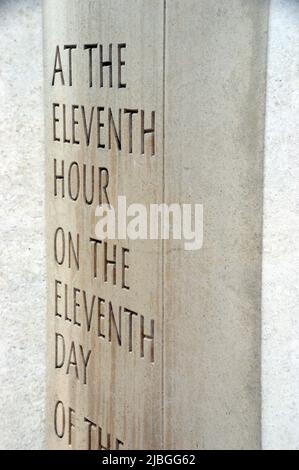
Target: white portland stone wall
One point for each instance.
(22, 289)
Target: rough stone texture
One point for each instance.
(22, 288)
(22, 305)
(281, 233)
(214, 142)
(123, 391)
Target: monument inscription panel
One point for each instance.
(104, 138)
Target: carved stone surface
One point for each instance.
(120, 390)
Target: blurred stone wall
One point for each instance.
(22, 266)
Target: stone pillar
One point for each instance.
(22, 276)
(151, 345)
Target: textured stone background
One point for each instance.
(280, 351)
(22, 276)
